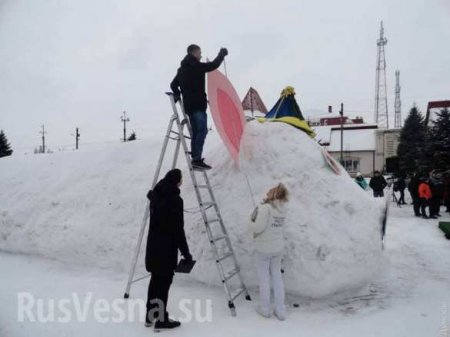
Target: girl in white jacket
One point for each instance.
(268, 225)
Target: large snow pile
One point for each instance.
(333, 238)
(86, 207)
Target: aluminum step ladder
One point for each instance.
(225, 258)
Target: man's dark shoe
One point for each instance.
(433, 217)
(424, 216)
(200, 165)
(166, 325)
(206, 165)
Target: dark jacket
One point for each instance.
(413, 187)
(400, 184)
(377, 183)
(437, 188)
(166, 233)
(447, 188)
(190, 81)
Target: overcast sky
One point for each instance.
(82, 62)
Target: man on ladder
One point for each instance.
(190, 82)
(224, 256)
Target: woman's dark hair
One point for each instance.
(173, 177)
(192, 48)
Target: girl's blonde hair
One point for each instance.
(278, 192)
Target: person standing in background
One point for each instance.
(447, 191)
(378, 184)
(425, 196)
(401, 186)
(413, 188)
(361, 181)
(437, 192)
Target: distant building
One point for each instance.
(387, 141)
(433, 107)
(358, 147)
(334, 120)
(365, 147)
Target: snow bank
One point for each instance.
(86, 207)
(82, 207)
(333, 241)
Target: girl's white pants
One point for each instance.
(269, 274)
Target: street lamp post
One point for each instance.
(341, 112)
(77, 137)
(124, 119)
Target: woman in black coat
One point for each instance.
(166, 236)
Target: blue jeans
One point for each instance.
(198, 120)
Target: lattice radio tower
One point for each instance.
(381, 106)
(398, 102)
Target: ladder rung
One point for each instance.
(207, 204)
(203, 186)
(209, 221)
(178, 134)
(224, 257)
(231, 274)
(197, 169)
(218, 238)
(240, 291)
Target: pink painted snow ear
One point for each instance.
(226, 111)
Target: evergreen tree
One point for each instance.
(439, 141)
(425, 161)
(5, 148)
(412, 140)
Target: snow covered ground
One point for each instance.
(69, 222)
(411, 298)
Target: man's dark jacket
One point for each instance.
(190, 79)
(166, 234)
(401, 184)
(413, 187)
(377, 183)
(437, 188)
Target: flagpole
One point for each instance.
(225, 67)
(245, 176)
